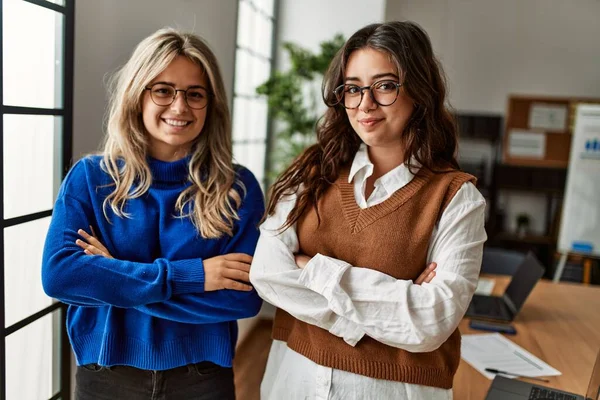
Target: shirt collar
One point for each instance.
(392, 181)
(361, 161)
(396, 178)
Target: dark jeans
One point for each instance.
(202, 381)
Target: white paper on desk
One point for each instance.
(485, 286)
(492, 350)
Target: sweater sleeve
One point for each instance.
(276, 277)
(226, 304)
(73, 277)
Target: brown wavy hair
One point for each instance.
(430, 136)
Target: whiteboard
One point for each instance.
(580, 222)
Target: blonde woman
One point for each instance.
(150, 243)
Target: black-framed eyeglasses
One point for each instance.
(164, 94)
(384, 93)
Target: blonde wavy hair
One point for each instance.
(211, 200)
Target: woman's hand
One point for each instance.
(426, 276)
(229, 271)
(92, 246)
(301, 260)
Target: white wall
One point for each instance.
(106, 33)
(309, 22)
(492, 48)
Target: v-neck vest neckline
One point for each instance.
(358, 218)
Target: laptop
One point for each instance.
(505, 307)
(511, 389)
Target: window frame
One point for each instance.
(61, 345)
(267, 140)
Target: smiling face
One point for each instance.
(173, 128)
(378, 126)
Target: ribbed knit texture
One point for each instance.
(391, 237)
(147, 307)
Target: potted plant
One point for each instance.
(293, 97)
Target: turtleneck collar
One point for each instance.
(173, 171)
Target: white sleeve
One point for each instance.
(416, 318)
(275, 276)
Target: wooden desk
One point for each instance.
(560, 324)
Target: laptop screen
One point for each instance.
(524, 280)
(593, 392)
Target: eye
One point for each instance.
(195, 95)
(162, 90)
(352, 89)
(385, 86)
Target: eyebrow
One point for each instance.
(174, 85)
(374, 77)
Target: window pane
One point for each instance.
(266, 6)
(23, 245)
(31, 163)
(241, 129)
(32, 55)
(263, 37)
(254, 30)
(29, 361)
(261, 70)
(258, 118)
(243, 71)
(251, 156)
(250, 72)
(249, 119)
(245, 21)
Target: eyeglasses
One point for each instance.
(163, 94)
(383, 93)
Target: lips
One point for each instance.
(369, 121)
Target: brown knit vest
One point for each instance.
(391, 237)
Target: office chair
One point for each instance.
(500, 261)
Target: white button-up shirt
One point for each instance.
(353, 302)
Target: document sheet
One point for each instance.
(492, 350)
(485, 286)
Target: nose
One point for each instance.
(179, 105)
(366, 103)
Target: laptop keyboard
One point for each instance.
(538, 393)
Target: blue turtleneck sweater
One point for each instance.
(147, 307)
